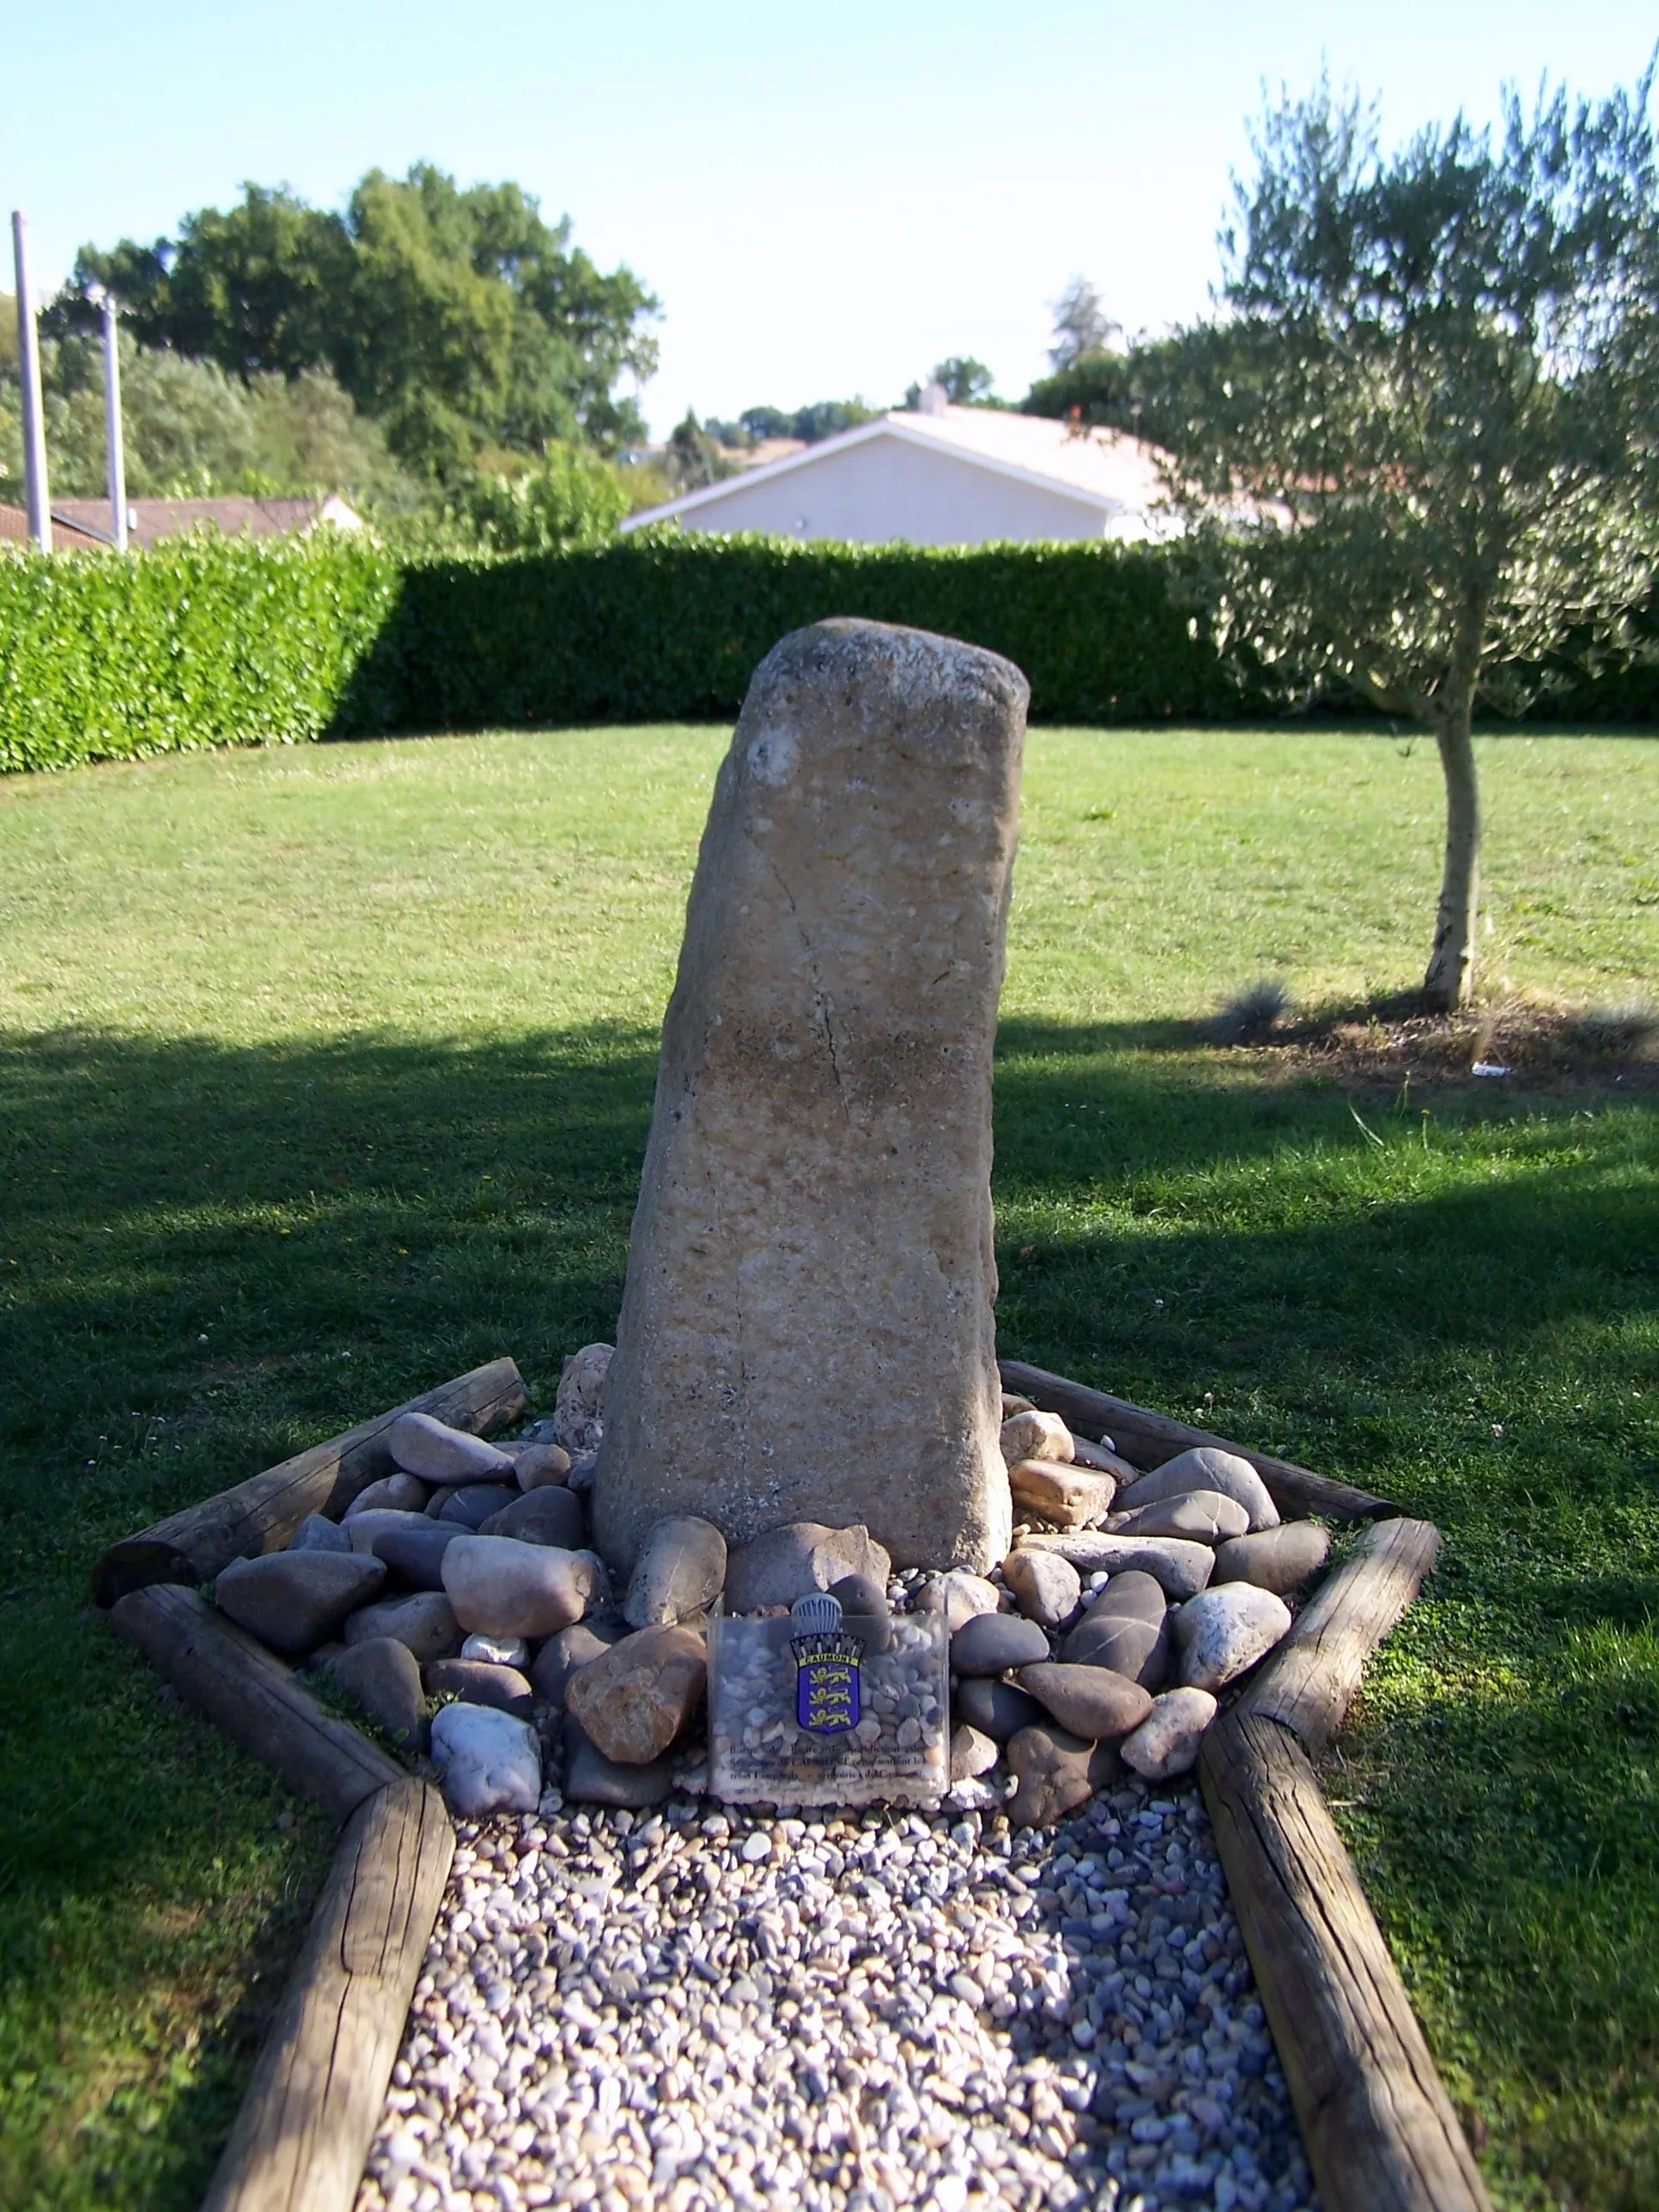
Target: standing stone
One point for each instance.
(807, 1326)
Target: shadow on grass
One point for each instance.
(212, 1257)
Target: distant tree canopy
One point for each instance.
(457, 319)
(1131, 391)
(965, 382)
(1082, 325)
(822, 418)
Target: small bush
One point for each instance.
(1251, 1016)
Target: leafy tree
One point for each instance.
(573, 498)
(827, 418)
(1082, 325)
(260, 287)
(966, 382)
(457, 318)
(693, 457)
(190, 430)
(1134, 391)
(1418, 452)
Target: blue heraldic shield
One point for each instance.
(828, 1698)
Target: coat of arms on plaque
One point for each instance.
(828, 1697)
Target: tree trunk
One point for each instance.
(1450, 981)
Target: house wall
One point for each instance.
(887, 488)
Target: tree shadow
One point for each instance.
(215, 1255)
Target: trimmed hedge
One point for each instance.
(668, 626)
(204, 641)
(211, 641)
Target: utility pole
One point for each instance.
(28, 362)
(114, 446)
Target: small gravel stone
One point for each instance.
(497, 1650)
(678, 2009)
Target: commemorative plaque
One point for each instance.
(827, 1707)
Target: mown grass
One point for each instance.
(326, 1073)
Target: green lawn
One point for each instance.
(325, 1073)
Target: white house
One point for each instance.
(942, 476)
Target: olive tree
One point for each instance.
(1416, 443)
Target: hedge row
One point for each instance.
(211, 641)
(204, 641)
(671, 627)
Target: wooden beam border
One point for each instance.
(1378, 2127)
(305, 2126)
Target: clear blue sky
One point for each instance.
(826, 200)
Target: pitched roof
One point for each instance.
(86, 522)
(151, 519)
(1107, 469)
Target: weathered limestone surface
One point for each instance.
(806, 1332)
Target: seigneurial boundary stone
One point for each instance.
(807, 1330)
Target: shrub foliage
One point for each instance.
(208, 642)
(204, 641)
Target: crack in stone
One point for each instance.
(821, 999)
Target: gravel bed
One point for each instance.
(695, 2009)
